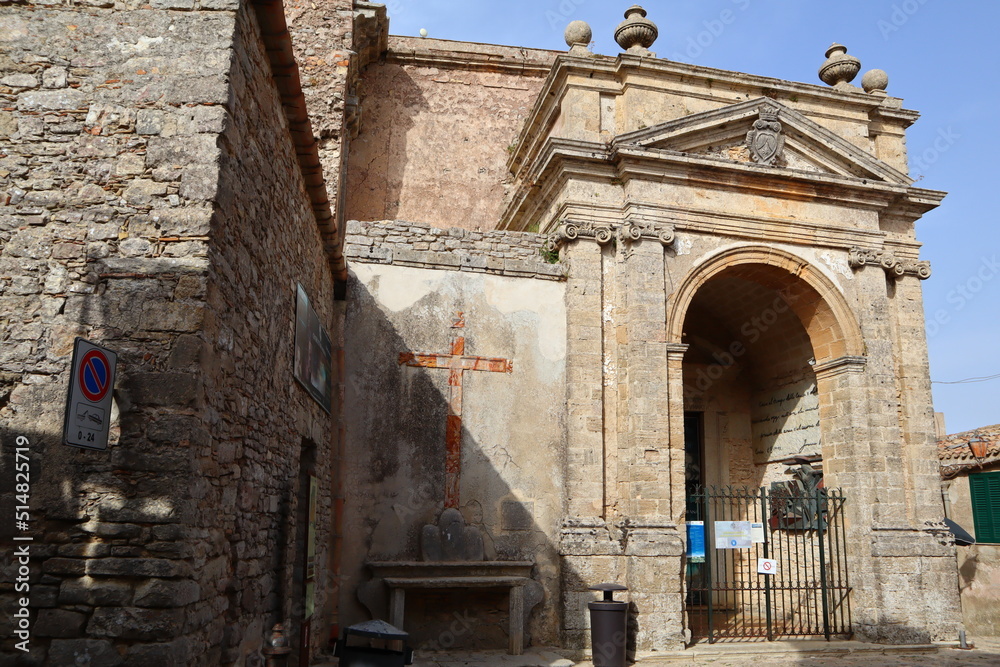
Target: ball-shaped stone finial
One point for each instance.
(578, 32)
(636, 33)
(875, 81)
(839, 69)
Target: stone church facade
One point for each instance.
(548, 279)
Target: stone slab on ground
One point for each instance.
(804, 653)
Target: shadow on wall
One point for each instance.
(110, 566)
(377, 159)
(139, 550)
(395, 479)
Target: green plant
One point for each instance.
(550, 255)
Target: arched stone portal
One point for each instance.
(748, 328)
(752, 325)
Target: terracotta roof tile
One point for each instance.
(955, 452)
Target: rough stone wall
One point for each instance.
(108, 135)
(323, 38)
(520, 254)
(258, 417)
(436, 134)
(114, 226)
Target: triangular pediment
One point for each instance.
(803, 144)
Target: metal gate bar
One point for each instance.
(810, 593)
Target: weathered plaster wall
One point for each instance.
(978, 567)
(439, 120)
(140, 152)
(513, 424)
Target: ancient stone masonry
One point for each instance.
(783, 209)
(333, 42)
(653, 259)
(139, 152)
(415, 244)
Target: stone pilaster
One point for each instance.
(584, 391)
(643, 401)
(675, 389)
(916, 412)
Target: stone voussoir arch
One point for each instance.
(812, 296)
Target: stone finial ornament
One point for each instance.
(839, 69)
(636, 33)
(875, 82)
(578, 35)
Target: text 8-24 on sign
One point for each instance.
(88, 401)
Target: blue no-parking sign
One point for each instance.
(88, 401)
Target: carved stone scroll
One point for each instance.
(859, 257)
(626, 233)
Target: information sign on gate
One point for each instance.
(733, 535)
(88, 401)
(767, 566)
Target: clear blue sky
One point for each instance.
(940, 58)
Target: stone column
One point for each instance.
(643, 399)
(924, 546)
(844, 406)
(865, 408)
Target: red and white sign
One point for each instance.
(88, 403)
(767, 566)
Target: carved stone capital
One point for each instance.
(859, 257)
(604, 233)
(839, 366)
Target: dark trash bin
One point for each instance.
(373, 644)
(608, 627)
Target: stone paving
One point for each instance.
(804, 653)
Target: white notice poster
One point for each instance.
(733, 535)
(757, 532)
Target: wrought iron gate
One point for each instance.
(802, 530)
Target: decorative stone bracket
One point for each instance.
(893, 266)
(627, 232)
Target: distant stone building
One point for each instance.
(556, 297)
(970, 468)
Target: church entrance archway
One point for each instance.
(761, 327)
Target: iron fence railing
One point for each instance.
(803, 531)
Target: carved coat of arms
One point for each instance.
(765, 140)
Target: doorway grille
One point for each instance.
(802, 531)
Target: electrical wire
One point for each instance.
(986, 378)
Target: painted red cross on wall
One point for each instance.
(457, 363)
